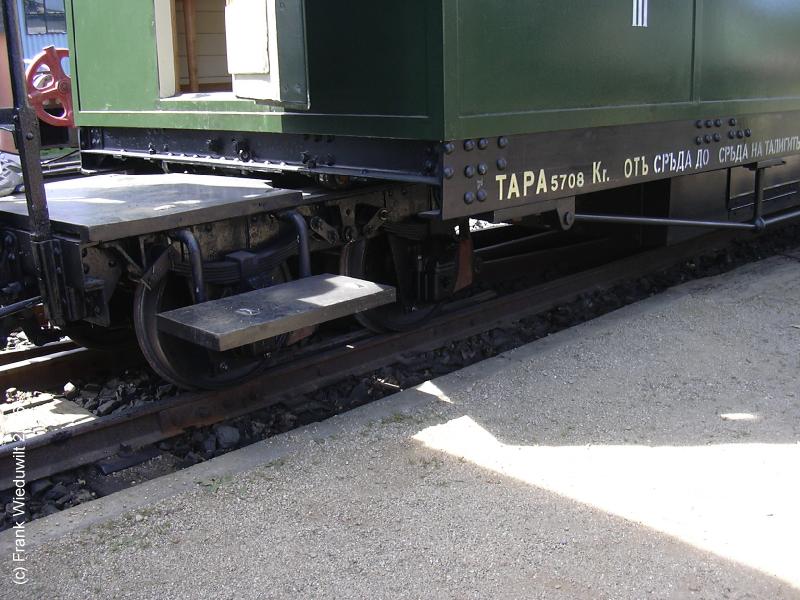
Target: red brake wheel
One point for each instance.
(51, 87)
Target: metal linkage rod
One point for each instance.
(759, 223)
(13, 309)
(615, 219)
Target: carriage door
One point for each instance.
(266, 45)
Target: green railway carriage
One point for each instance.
(301, 136)
(630, 79)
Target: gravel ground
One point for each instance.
(648, 454)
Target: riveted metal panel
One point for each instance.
(528, 170)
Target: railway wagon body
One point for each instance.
(368, 133)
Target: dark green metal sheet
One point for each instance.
(518, 56)
(749, 49)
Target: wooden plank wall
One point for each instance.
(212, 61)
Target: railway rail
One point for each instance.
(49, 367)
(336, 359)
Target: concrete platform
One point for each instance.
(652, 453)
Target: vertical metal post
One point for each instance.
(26, 132)
(758, 205)
(26, 136)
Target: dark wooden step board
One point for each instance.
(236, 321)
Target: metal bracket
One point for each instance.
(758, 206)
(324, 230)
(376, 222)
(347, 211)
(47, 256)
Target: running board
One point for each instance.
(252, 317)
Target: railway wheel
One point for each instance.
(185, 364)
(395, 261)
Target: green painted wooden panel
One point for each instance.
(525, 56)
(115, 54)
(749, 49)
(374, 70)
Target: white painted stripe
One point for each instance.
(641, 13)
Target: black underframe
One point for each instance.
(371, 158)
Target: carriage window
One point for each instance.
(229, 49)
(192, 49)
(202, 58)
(45, 16)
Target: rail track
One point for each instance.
(49, 367)
(335, 360)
